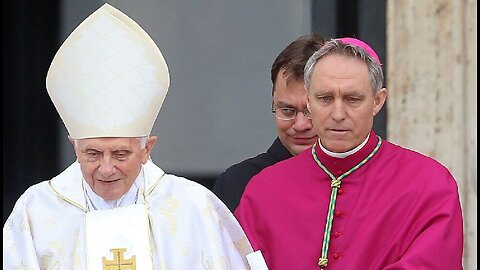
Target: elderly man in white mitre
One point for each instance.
(113, 208)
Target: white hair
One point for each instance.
(142, 140)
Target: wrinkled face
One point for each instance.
(342, 102)
(297, 134)
(110, 166)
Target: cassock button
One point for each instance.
(337, 234)
(337, 256)
(341, 191)
(339, 172)
(339, 213)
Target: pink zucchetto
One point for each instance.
(363, 45)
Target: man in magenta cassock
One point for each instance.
(353, 200)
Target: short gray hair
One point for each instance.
(336, 47)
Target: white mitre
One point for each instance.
(108, 79)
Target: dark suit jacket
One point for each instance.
(230, 185)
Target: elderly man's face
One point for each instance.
(110, 166)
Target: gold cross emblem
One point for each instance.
(118, 262)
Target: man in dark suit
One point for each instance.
(294, 129)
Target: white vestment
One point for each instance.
(190, 228)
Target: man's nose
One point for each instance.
(107, 167)
(302, 122)
(338, 111)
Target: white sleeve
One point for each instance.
(256, 261)
(18, 247)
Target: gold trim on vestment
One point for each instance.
(84, 209)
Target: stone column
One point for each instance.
(432, 99)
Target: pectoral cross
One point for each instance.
(118, 262)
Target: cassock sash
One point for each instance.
(118, 238)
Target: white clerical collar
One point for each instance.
(95, 202)
(344, 154)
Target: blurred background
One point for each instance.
(219, 53)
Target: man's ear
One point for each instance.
(71, 140)
(379, 100)
(148, 148)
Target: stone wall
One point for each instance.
(432, 100)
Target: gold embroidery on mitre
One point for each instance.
(118, 262)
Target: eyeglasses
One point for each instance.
(289, 113)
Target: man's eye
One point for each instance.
(92, 154)
(121, 155)
(287, 111)
(325, 98)
(353, 99)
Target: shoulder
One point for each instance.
(36, 191)
(241, 173)
(185, 190)
(410, 155)
(424, 170)
(246, 169)
(290, 165)
(183, 184)
(284, 171)
(32, 198)
(177, 194)
(161, 186)
(179, 202)
(276, 154)
(249, 167)
(256, 163)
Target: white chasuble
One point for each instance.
(188, 227)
